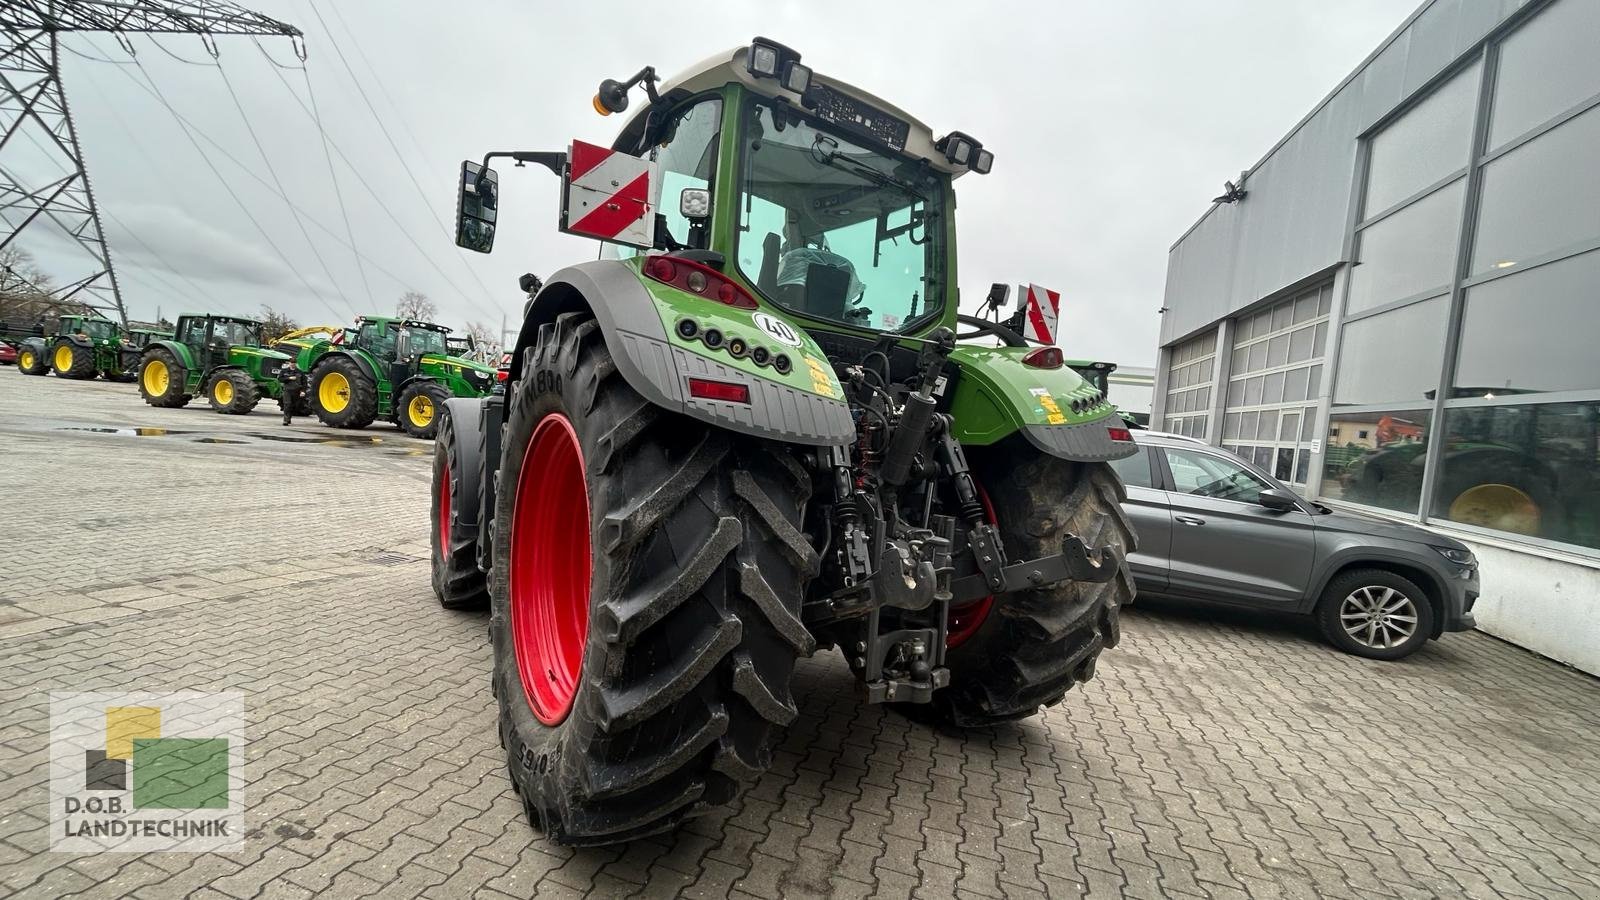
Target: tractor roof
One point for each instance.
(409, 323)
(729, 66)
(220, 317)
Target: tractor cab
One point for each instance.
(100, 331)
(220, 340)
(464, 346)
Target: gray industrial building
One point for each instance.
(1399, 309)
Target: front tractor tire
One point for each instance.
(1028, 648)
(421, 404)
(162, 379)
(73, 361)
(457, 580)
(342, 395)
(645, 596)
(233, 392)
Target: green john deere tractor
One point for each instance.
(398, 370)
(750, 433)
(220, 356)
(82, 347)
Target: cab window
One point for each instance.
(687, 155)
(1205, 475)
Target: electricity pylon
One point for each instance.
(31, 92)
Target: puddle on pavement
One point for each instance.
(126, 432)
(342, 440)
(216, 440)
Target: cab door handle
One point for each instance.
(1189, 520)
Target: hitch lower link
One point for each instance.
(1075, 562)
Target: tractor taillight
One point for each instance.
(1043, 358)
(1122, 435)
(727, 391)
(502, 374)
(694, 278)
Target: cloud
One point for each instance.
(170, 240)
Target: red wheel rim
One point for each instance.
(967, 618)
(444, 511)
(550, 567)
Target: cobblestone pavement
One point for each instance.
(1212, 756)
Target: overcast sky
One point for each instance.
(1113, 125)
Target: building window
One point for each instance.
(1189, 377)
(1546, 66)
(1393, 357)
(1541, 197)
(1275, 371)
(1376, 458)
(1422, 147)
(1505, 351)
(1408, 254)
(1524, 469)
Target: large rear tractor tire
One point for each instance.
(31, 361)
(233, 392)
(420, 406)
(72, 361)
(342, 395)
(162, 378)
(1026, 649)
(645, 596)
(457, 580)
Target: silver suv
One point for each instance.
(1216, 529)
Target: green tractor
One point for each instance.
(82, 347)
(221, 356)
(748, 433)
(398, 370)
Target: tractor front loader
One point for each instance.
(748, 433)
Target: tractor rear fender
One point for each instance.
(1057, 410)
(37, 343)
(631, 319)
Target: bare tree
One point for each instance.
(485, 339)
(275, 324)
(416, 305)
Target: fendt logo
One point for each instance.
(144, 772)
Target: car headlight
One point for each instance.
(1459, 557)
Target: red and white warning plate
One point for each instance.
(1043, 311)
(610, 195)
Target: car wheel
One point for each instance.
(1376, 614)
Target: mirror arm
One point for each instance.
(555, 161)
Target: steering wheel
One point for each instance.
(987, 327)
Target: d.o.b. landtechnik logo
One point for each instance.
(139, 772)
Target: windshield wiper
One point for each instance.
(861, 169)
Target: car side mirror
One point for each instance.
(1278, 501)
(477, 207)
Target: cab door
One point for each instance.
(1226, 546)
(1148, 509)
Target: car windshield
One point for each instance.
(425, 340)
(836, 230)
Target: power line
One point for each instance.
(421, 194)
(279, 182)
(156, 90)
(219, 148)
(333, 175)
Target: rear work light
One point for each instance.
(1043, 358)
(694, 278)
(1120, 434)
(727, 391)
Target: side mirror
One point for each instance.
(1278, 501)
(477, 207)
(402, 344)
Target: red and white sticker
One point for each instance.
(1043, 310)
(610, 195)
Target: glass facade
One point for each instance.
(1274, 376)
(1452, 376)
(1189, 382)
(1498, 237)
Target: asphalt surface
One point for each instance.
(1214, 754)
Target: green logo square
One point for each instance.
(180, 773)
